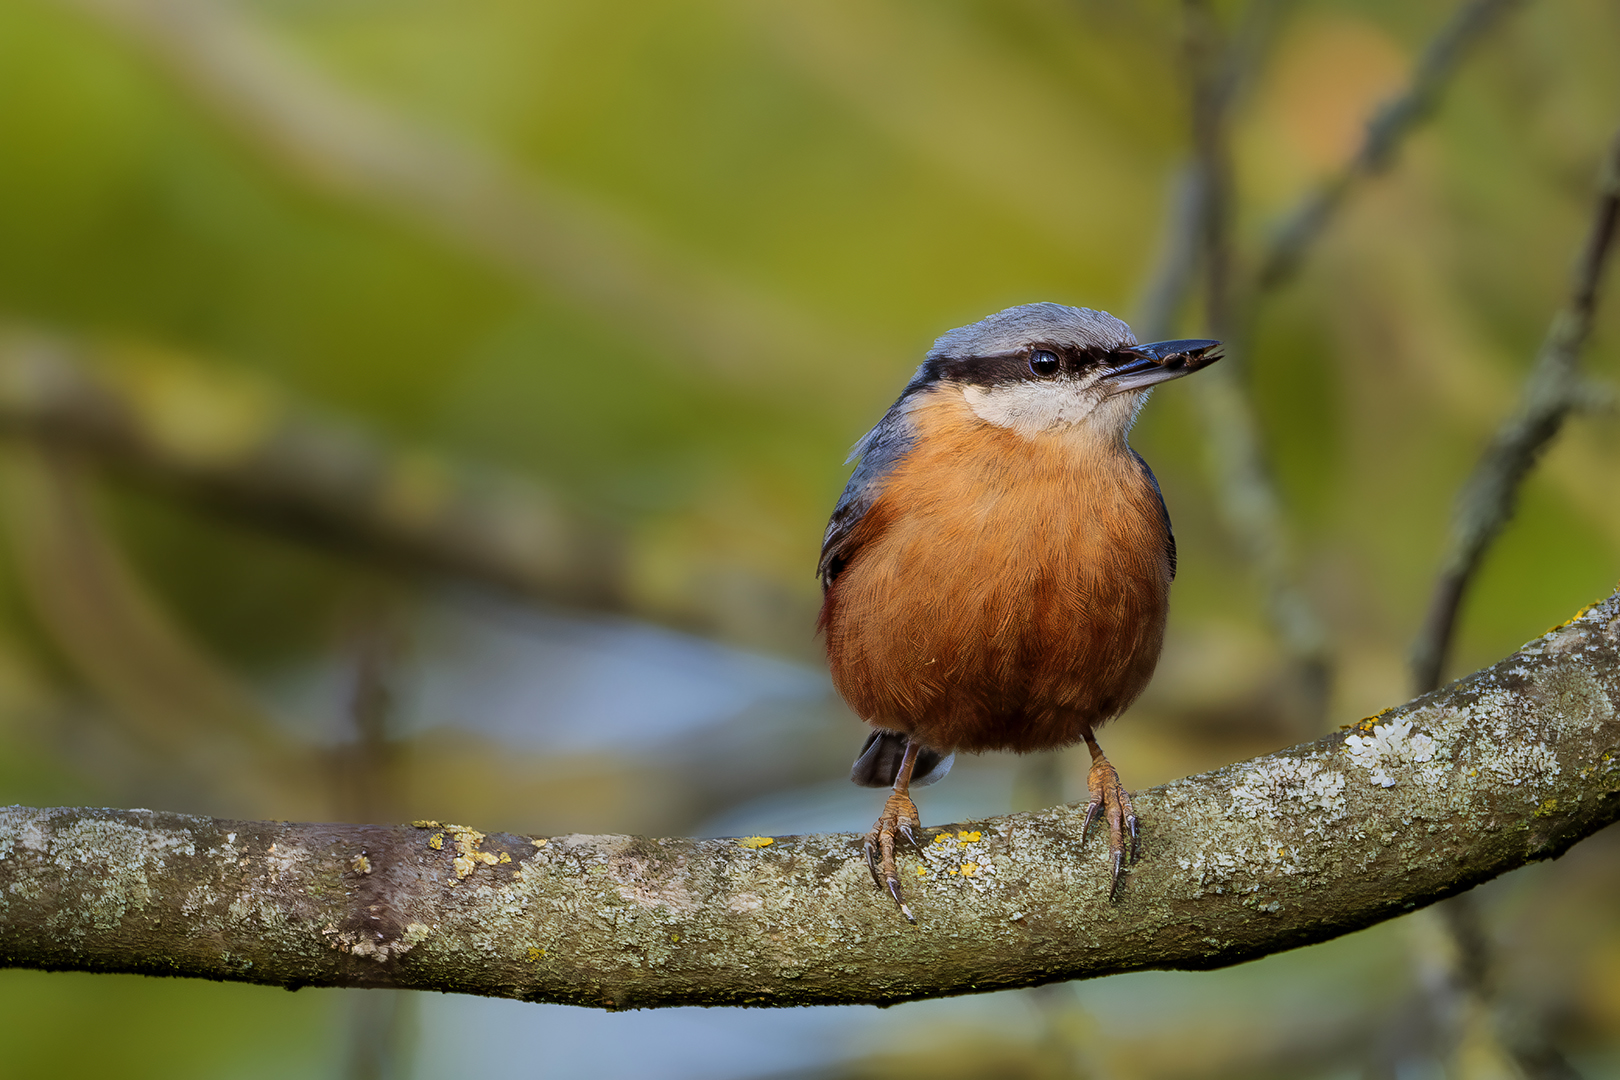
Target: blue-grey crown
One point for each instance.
(1033, 324)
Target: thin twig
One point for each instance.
(1553, 390)
(1246, 497)
(1175, 265)
(1393, 121)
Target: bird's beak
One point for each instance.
(1149, 365)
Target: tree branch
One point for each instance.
(1513, 764)
(1553, 390)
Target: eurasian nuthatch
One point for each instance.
(997, 572)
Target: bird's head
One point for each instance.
(1047, 368)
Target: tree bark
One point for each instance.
(1512, 764)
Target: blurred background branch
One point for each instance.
(1250, 507)
(1386, 130)
(237, 446)
(1554, 389)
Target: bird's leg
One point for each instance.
(899, 816)
(1109, 795)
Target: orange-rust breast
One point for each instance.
(1003, 592)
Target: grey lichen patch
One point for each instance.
(1577, 699)
(657, 884)
(377, 946)
(121, 857)
(745, 903)
(1501, 743)
(1394, 749)
(1305, 789)
(286, 862)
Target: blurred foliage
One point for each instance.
(833, 184)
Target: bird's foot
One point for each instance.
(900, 818)
(1109, 796)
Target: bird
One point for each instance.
(996, 574)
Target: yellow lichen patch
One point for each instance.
(360, 864)
(1369, 722)
(467, 854)
(540, 843)
(505, 858)
(969, 869)
(426, 825)
(970, 837)
(755, 842)
(535, 955)
(943, 838)
(922, 871)
(1546, 808)
(1581, 614)
(436, 841)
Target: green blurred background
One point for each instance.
(653, 267)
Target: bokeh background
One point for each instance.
(426, 409)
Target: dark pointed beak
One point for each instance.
(1142, 366)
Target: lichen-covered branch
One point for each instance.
(1513, 764)
(1553, 390)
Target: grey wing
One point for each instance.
(1164, 513)
(878, 453)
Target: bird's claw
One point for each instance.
(899, 816)
(1110, 799)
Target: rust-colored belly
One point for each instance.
(1005, 594)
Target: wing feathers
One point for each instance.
(877, 454)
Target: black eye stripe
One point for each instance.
(1015, 365)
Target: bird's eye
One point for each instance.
(1043, 363)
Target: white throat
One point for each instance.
(1034, 408)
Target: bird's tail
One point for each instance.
(879, 762)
